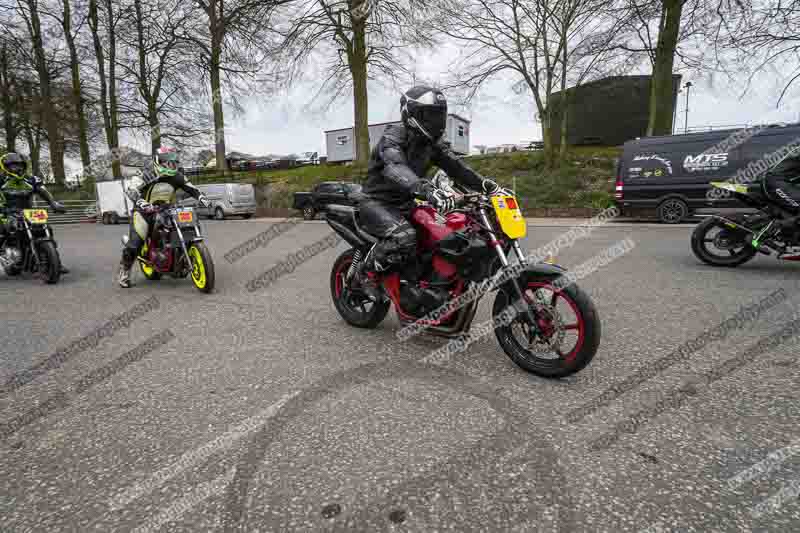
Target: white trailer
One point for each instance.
(113, 205)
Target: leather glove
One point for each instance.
(438, 198)
(145, 206)
(490, 186)
(58, 207)
(202, 201)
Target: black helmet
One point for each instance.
(424, 109)
(14, 164)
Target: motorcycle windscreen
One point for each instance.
(509, 216)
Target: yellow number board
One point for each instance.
(185, 216)
(509, 216)
(35, 216)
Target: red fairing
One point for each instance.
(443, 267)
(429, 230)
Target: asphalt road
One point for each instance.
(264, 411)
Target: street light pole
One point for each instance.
(675, 111)
(686, 120)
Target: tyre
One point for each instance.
(673, 211)
(569, 329)
(248, 216)
(309, 213)
(202, 267)
(49, 267)
(149, 272)
(105, 219)
(356, 310)
(219, 214)
(114, 218)
(726, 247)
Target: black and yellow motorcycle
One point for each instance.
(176, 248)
(27, 244)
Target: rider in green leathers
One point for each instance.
(17, 187)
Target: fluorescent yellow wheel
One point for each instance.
(202, 267)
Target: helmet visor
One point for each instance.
(434, 120)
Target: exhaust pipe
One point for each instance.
(346, 234)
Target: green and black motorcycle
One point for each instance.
(734, 240)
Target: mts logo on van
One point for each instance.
(705, 161)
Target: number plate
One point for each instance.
(185, 216)
(35, 216)
(509, 216)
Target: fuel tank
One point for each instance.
(430, 231)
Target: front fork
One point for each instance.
(521, 307)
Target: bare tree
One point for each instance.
(358, 40)
(107, 79)
(158, 60)
(767, 40)
(29, 10)
(231, 47)
(541, 44)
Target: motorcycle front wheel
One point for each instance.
(49, 267)
(568, 326)
(202, 267)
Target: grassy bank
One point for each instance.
(586, 179)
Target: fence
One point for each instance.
(77, 211)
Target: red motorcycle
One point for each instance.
(553, 330)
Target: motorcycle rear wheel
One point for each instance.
(733, 255)
(558, 311)
(356, 310)
(149, 271)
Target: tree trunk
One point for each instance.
(661, 87)
(108, 98)
(54, 141)
(83, 137)
(562, 149)
(217, 30)
(358, 69)
(155, 129)
(34, 144)
(6, 88)
(549, 149)
(116, 165)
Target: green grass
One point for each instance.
(585, 179)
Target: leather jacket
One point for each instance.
(400, 161)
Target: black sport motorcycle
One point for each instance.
(27, 245)
(734, 240)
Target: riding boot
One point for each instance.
(125, 265)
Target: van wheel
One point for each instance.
(309, 213)
(219, 214)
(114, 218)
(673, 211)
(105, 219)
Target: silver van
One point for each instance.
(225, 199)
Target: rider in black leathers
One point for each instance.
(397, 167)
(150, 187)
(782, 182)
(17, 187)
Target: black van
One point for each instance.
(670, 174)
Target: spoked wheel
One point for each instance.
(716, 244)
(356, 309)
(202, 267)
(49, 266)
(568, 330)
